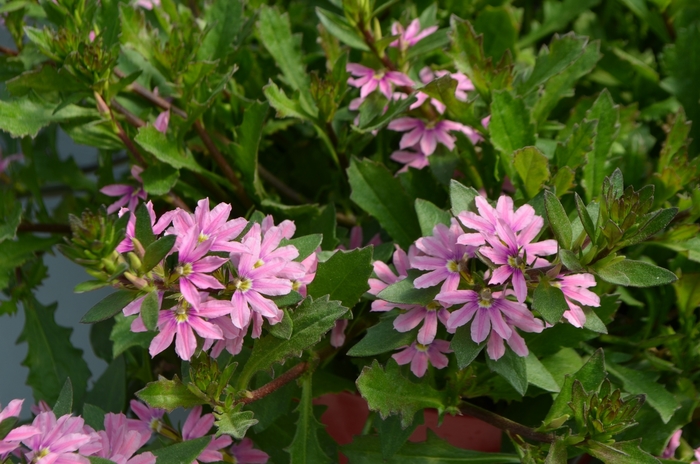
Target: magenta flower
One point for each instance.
(310, 264)
(52, 441)
(197, 426)
(257, 277)
(244, 453)
(184, 320)
(575, 289)
(212, 225)
(386, 277)
(158, 226)
(41, 406)
(426, 135)
(428, 315)
(147, 4)
(149, 419)
(129, 195)
(419, 356)
(485, 222)
(368, 80)
(13, 409)
(162, 121)
(443, 257)
(338, 333)
(411, 35)
(413, 158)
(5, 161)
(673, 445)
(193, 266)
(357, 237)
(232, 341)
(513, 253)
(119, 442)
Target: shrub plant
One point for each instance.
(483, 207)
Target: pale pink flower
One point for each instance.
(575, 289)
(673, 445)
(5, 161)
(368, 80)
(13, 409)
(147, 4)
(428, 315)
(162, 121)
(413, 158)
(149, 419)
(244, 453)
(41, 406)
(118, 442)
(419, 355)
(484, 223)
(426, 135)
(338, 333)
(183, 320)
(287, 227)
(194, 267)
(410, 35)
(310, 264)
(386, 277)
(129, 195)
(52, 441)
(158, 226)
(211, 225)
(197, 426)
(134, 307)
(443, 257)
(232, 341)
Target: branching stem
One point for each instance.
(292, 374)
(505, 424)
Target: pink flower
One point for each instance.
(162, 121)
(575, 289)
(368, 80)
(443, 257)
(41, 406)
(197, 426)
(413, 158)
(492, 313)
(5, 162)
(257, 277)
(147, 4)
(193, 266)
(232, 341)
(13, 409)
(211, 225)
(485, 222)
(129, 195)
(135, 308)
(673, 445)
(512, 253)
(419, 356)
(310, 264)
(426, 135)
(386, 277)
(244, 453)
(150, 419)
(119, 442)
(338, 333)
(52, 441)
(158, 227)
(356, 238)
(411, 35)
(427, 75)
(428, 315)
(184, 320)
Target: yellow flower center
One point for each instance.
(182, 311)
(242, 284)
(184, 269)
(453, 266)
(421, 347)
(433, 306)
(202, 237)
(258, 263)
(485, 298)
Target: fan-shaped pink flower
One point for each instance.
(129, 195)
(149, 419)
(197, 426)
(162, 121)
(485, 222)
(425, 135)
(232, 341)
(410, 158)
(427, 75)
(338, 333)
(386, 277)
(575, 288)
(118, 442)
(158, 226)
(420, 355)
(13, 409)
(443, 257)
(310, 264)
(194, 267)
(428, 315)
(212, 225)
(147, 4)
(368, 80)
(673, 445)
(410, 35)
(244, 453)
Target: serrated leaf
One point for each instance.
(182, 453)
(109, 306)
(159, 179)
(227, 19)
(389, 392)
(305, 446)
(246, 150)
(533, 168)
(311, 320)
(461, 197)
(341, 29)
(10, 215)
(512, 368)
(631, 273)
(284, 328)
(150, 307)
(558, 220)
(166, 148)
(168, 394)
(379, 193)
(560, 54)
(510, 127)
(382, 338)
(306, 245)
(156, 251)
(557, 16)
(549, 301)
(572, 153)
(430, 215)
(608, 115)
(25, 116)
(234, 423)
(64, 403)
(289, 299)
(623, 452)
(344, 276)
(466, 350)
(392, 435)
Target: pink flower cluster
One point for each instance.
(221, 285)
(424, 130)
(503, 238)
(68, 440)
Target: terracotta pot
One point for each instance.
(347, 414)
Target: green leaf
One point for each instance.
(392, 435)
(156, 251)
(557, 16)
(443, 90)
(166, 149)
(558, 220)
(499, 28)
(341, 29)
(466, 350)
(246, 150)
(367, 448)
(27, 115)
(14, 253)
(437, 39)
(511, 127)
(570, 260)
(90, 285)
(143, 230)
(289, 299)
(656, 222)
(608, 115)
(305, 446)
(638, 383)
(631, 273)
(549, 301)
(538, 375)
(379, 193)
(344, 276)
(591, 375)
(109, 306)
(276, 34)
(109, 392)
(182, 453)
(384, 114)
(234, 423)
(10, 214)
(430, 215)
(169, 394)
(124, 338)
(557, 452)
(512, 368)
(389, 392)
(226, 16)
(404, 292)
(573, 151)
(586, 221)
(159, 179)
(533, 168)
(6, 425)
(311, 320)
(623, 452)
(150, 307)
(306, 245)
(561, 53)
(284, 328)
(43, 80)
(51, 358)
(382, 338)
(98, 460)
(652, 18)
(94, 416)
(462, 198)
(285, 106)
(64, 403)
(110, 24)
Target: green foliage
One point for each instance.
(182, 453)
(337, 277)
(169, 394)
(305, 446)
(109, 306)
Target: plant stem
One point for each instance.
(292, 374)
(505, 424)
(8, 51)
